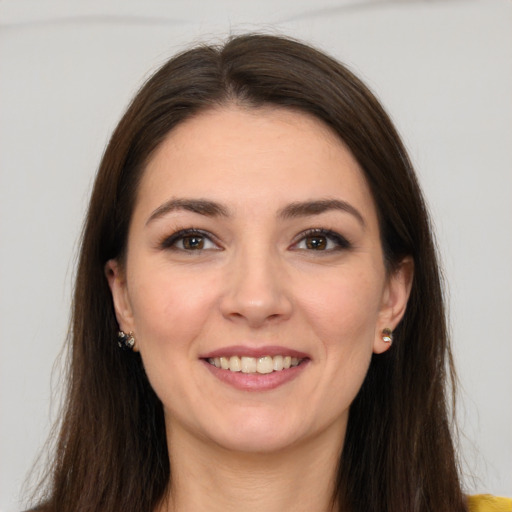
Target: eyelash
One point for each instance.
(340, 242)
(180, 235)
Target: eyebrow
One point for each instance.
(200, 206)
(307, 208)
(293, 210)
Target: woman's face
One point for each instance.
(254, 245)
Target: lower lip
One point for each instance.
(257, 381)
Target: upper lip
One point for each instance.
(245, 351)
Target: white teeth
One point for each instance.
(249, 365)
(235, 365)
(278, 363)
(266, 364)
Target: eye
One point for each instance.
(321, 240)
(189, 240)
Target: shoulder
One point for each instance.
(488, 503)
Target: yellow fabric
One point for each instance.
(488, 503)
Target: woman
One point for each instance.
(258, 317)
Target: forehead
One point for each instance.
(253, 156)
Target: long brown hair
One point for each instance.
(398, 453)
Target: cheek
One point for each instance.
(341, 312)
(169, 309)
(343, 308)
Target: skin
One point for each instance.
(257, 281)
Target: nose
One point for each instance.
(256, 291)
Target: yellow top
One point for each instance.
(488, 503)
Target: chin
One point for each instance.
(258, 435)
(256, 443)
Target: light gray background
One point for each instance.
(67, 70)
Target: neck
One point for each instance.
(209, 477)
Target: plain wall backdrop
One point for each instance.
(443, 69)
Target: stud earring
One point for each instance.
(125, 341)
(387, 336)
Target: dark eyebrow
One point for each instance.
(316, 207)
(200, 206)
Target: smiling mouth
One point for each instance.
(262, 365)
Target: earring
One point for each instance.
(125, 341)
(387, 336)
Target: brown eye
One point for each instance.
(193, 242)
(189, 240)
(317, 243)
(321, 240)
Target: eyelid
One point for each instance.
(169, 241)
(340, 241)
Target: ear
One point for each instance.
(116, 278)
(394, 301)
